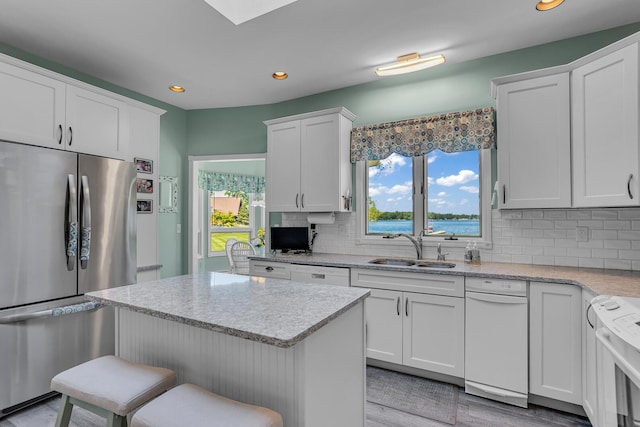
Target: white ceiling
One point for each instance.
(147, 45)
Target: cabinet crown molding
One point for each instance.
(341, 110)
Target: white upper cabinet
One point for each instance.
(606, 163)
(32, 107)
(568, 136)
(37, 108)
(308, 166)
(96, 124)
(534, 143)
(283, 166)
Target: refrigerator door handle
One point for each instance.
(85, 224)
(52, 312)
(71, 237)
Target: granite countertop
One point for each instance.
(272, 311)
(600, 281)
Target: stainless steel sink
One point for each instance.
(412, 263)
(393, 261)
(435, 264)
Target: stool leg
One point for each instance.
(114, 420)
(64, 412)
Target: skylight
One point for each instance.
(239, 11)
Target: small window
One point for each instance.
(237, 215)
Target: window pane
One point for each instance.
(453, 202)
(219, 239)
(390, 188)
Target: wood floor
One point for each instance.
(472, 411)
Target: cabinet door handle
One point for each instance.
(302, 201)
(59, 134)
(398, 305)
(504, 194)
(269, 268)
(70, 135)
(317, 276)
(297, 200)
(629, 186)
(406, 307)
(587, 316)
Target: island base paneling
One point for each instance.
(318, 382)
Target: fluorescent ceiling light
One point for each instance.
(548, 4)
(410, 63)
(239, 11)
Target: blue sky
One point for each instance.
(453, 183)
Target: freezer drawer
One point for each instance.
(34, 351)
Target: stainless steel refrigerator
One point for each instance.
(67, 226)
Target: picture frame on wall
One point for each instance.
(144, 206)
(144, 185)
(143, 165)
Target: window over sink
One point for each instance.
(445, 194)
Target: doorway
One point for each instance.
(226, 200)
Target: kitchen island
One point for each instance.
(296, 348)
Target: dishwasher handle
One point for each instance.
(494, 298)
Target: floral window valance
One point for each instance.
(215, 181)
(449, 132)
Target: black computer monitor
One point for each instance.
(289, 239)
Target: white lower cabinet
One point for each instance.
(589, 366)
(383, 310)
(555, 346)
(414, 329)
(274, 270)
(433, 333)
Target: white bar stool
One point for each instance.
(190, 405)
(110, 387)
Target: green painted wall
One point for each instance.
(450, 87)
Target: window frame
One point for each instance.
(420, 194)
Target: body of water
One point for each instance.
(459, 228)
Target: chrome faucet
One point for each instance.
(417, 242)
(441, 256)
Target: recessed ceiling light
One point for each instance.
(548, 4)
(175, 88)
(409, 63)
(279, 75)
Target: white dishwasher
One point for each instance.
(496, 340)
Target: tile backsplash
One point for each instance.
(532, 236)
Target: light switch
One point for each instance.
(179, 228)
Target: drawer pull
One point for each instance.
(317, 276)
(398, 306)
(269, 268)
(406, 307)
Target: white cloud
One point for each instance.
(388, 166)
(442, 194)
(462, 177)
(438, 202)
(429, 180)
(431, 159)
(470, 189)
(400, 189)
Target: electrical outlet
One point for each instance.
(582, 234)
